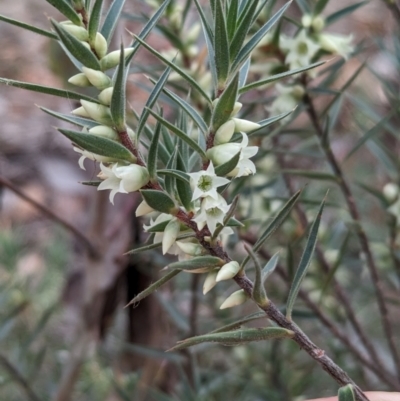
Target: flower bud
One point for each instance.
(306, 20)
(193, 33)
(228, 271)
(214, 102)
(79, 32)
(237, 298)
(170, 233)
(80, 80)
(86, 44)
(98, 112)
(245, 125)
(318, 23)
(104, 131)
(210, 281)
(190, 248)
(338, 44)
(97, 78)
(391, 192)
(81, 112)
(100, 45)
(131, 134)
(105, 95)
(111, 60)
(143, 209)
(224, 132)
(236, 108)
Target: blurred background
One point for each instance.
(64, 334)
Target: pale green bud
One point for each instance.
(143, 209)
(131, 134)
(97, 78)
(104, 131)
(318, 23)
(391, 192)
(228, 271)
(306, 20)
(80, 80)
(86, 44)
(100, 45)
(236, 108)
(193, 33)
(237, 298)
(105, 95)
(210, 281)
(224, 132)
(98, 112)
(245, 125)
(190, 248)
(81, 112)
(170, 233)
(214, 102)
(111, 60)
(79, 32)
(298, 91)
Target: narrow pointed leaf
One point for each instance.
(304, 263)
(276, 77)
(232, 18)
(28, 27)
(197, 263)
(153, 287)
(316, 175)
(204, 21)
(319, 7)
(99, 145)
(65, 8)
(118, 99)
(270, 266)
(111, 20)
(221, 43)
(159, 200)
(226, 168)
(259, 295)
(239, 323)
(177, 69)
(330, 19)
(80, 121)
(76, 48)
(256, 38)
(228, 217)
(236, 337)
(180, 175)
(94, 20)
(180, 134)
(269, 121)
(153, 152)
(159, 86)
(183, 186)
(244, 71)
(47, 90)
(346, 393)
(224, 107)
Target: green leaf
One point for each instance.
(259, 295)
(180, 134)
(31, 28)
(152, 100)
(224, 107)
(94, 20)
(236, 337)
(330, 19)
(226, 168)
(270, 266)
(171, 165)
(239, 323)
(243, 28)
(180, 175)
(304, 263)
(269, 121)
(159, 201)
(276, 77)
(315, 175)
(177, 69)
(98, 145)
(190, 110)
(228, 218)
(197, 262)
(153, 287)
(183, 186)
(81, 122)
(118, 99)
(65, 8)
(346, 393)
(244, 71)
(256, 38)
(232, 18)
(47, 90)
(153, 152)
(221, 43)
(204, 21)
(111, 20)
(319, 6)
(76, 48)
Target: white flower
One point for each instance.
(300, 50)
(336, 44)
(210, 281)
(92, 156)
(205, 183)
(228, 271)
(223, 153)
(122, 179)
(170, 233)
(212, 212)
(143, 209)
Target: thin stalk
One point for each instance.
(363, 239)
